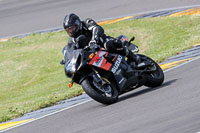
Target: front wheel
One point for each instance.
(108, 97)
(154, 78)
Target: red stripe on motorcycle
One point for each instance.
(106, 65)
(95, 59)
(114, 58)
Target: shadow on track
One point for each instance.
(146, 90)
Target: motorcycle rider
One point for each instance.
(94, 34)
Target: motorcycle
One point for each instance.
(104, 76)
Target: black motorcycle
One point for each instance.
(104, 76)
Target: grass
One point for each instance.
(32, 78)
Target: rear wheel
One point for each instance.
(155, 76)
(106, 94)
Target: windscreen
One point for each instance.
(71, 56)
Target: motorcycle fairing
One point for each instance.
(110, 62)
(100, 61)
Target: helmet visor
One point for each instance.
(71, 30)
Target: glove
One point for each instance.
(118, 43)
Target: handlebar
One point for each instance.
(94, 46)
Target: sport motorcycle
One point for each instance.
(104, 76)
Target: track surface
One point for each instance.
(22, 16)
(171, 108)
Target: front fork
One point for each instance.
(97, 78)
(100, 83)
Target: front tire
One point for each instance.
(98, 96)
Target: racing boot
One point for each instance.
(136, 61)
(139, 64)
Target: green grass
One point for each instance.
(32, 78)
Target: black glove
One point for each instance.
(118, 43)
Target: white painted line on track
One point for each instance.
(46, 115)
(182, 64)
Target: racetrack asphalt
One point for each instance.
(172, 108)
(24, 16)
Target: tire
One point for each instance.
(155, 78)
(98, 96)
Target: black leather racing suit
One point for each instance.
(93, 32)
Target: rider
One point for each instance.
(94, 34)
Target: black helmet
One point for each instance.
(71, 24)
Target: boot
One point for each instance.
(139, 64)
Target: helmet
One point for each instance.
(71, 24)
